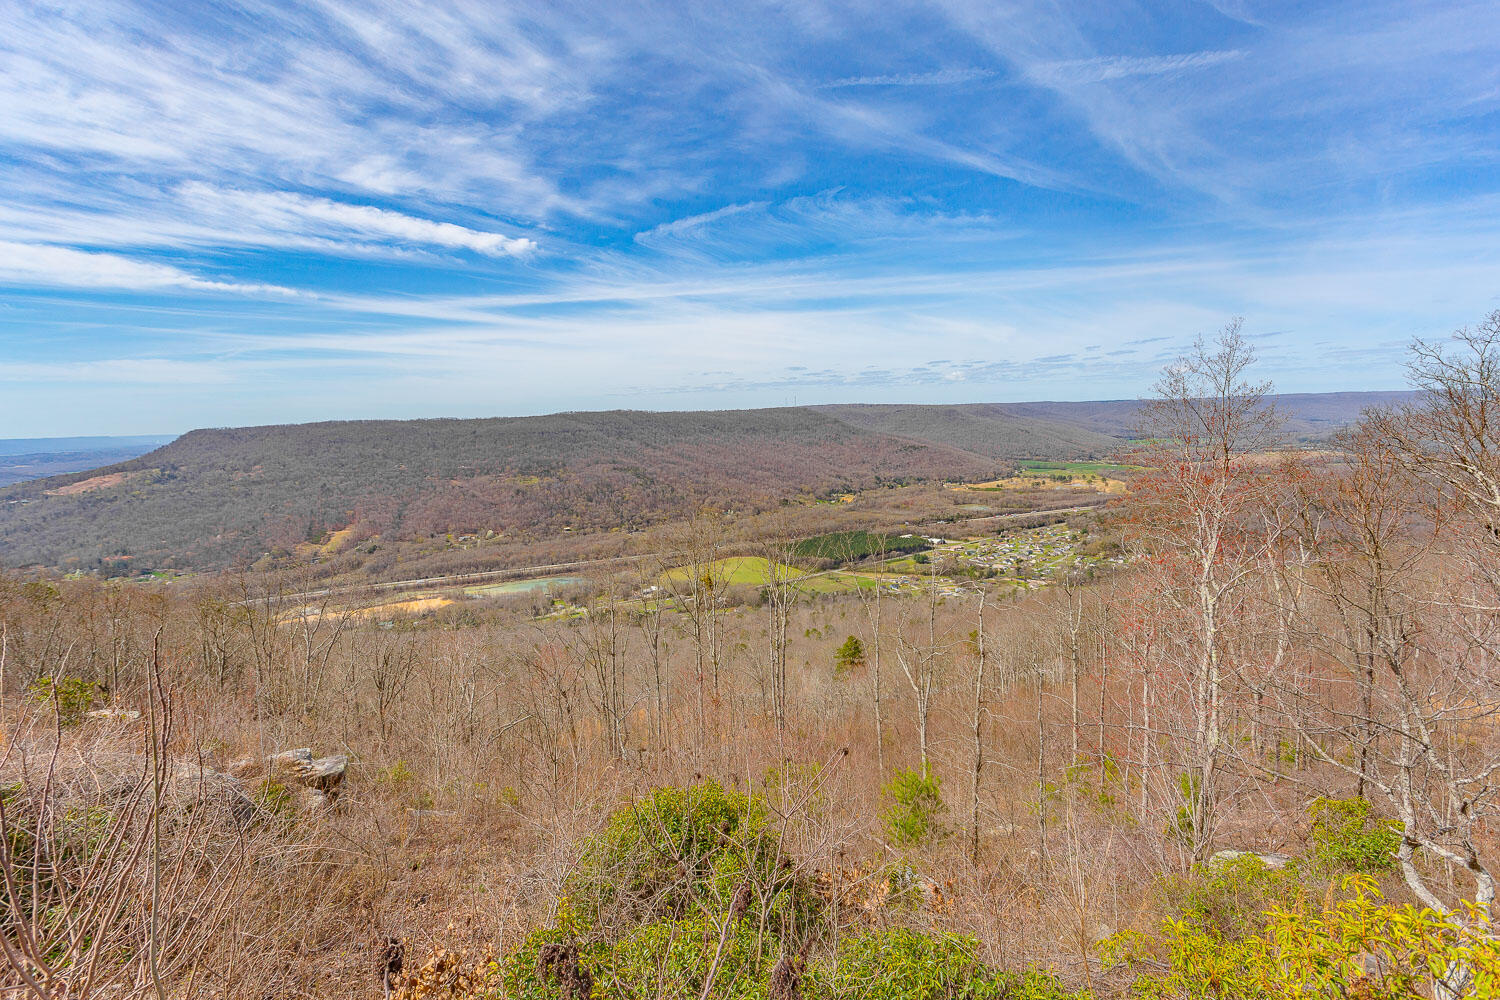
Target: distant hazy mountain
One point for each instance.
(1307, 415)
(213, 498)
(34, 458)
(993, 430)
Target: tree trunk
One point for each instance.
(978, 737)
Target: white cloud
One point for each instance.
(931, 79)
(1077, 72)
(66, 211)
(283, 212)
(53, 266)
(159, 372)
(361, 93)
(694, 223)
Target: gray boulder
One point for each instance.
(323, 774)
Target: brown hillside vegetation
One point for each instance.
(1254, 759)
(217, 497)
(228, 497)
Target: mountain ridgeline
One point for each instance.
(222, 497)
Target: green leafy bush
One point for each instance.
(683, 886)
(1230, 898)
(682, 851)
(70, 697)
(1355, 945)
(903, 964)
(914, 816)
(1346, 837)
(399, 774)
(673, 960)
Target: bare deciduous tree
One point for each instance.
(1194, 509)
(114, 882)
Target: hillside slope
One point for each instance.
(218, 498)
(214, 498)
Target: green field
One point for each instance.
(754, 571)
(837, 583)
(751, 570)
(1037, 467)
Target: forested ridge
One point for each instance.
(221, 497)
(215, 497)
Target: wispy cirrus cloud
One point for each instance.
(829, 222)
(932, 78)
(1101, 69)
(282, 213)
(703, 221)
(120, 85)
(36, 264)
(120, 371)
(203, 216)
(594, 196)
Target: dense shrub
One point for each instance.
(1355, 946)
(903, 964)
(914, 816)
(666, 959)
(1231, 898)
(683, 890)
(70, 697)
(1347, 837)
(680, 851)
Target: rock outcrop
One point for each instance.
(321, 778)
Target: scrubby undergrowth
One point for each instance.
(690, 893)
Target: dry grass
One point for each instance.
(1098, 484)
(413, 606)
(91, 484)
(481, 755)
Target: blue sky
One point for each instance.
(218, 214)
